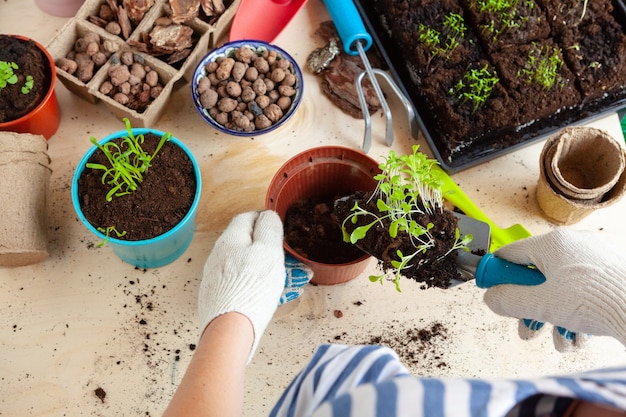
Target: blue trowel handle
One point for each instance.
(349, 25)
(492, 270)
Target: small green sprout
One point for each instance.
(456, 24)
(584, 10)
(9, 77)
(128, 162)
(509, 18)
(28, 85)
(407, 187)
(428, 36)
(476, 86)
(107, 232)
(543, 67)
(454, 29)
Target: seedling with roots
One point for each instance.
(9, 77)
(128, 162)
(407, 187)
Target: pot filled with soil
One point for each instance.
(404, 223)
(24, 190)
(28, 102)
(303, 192)
(138, 191)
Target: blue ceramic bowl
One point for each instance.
(228, 50)
(160, 250)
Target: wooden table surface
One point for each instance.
(83, 320)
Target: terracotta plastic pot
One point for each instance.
(160, 250)
(45, 118)
(62, 8)
(319, 172)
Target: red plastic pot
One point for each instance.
(63, 8)
(46, 117)
(319, 172)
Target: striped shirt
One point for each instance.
(370, 381)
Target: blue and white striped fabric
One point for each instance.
(370, 381)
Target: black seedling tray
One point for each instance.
(472, 156)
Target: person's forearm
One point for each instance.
(214, 381)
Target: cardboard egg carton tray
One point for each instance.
(170, 77)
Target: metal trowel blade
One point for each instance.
(481, 239)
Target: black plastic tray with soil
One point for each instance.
(500, 142)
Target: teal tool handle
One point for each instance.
(492, 271)
(349, 25)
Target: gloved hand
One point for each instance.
(297, 276)
(245, 272)
(584, 291)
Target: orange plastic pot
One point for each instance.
(46, 117)
(320, 172)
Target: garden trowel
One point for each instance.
(486, 268)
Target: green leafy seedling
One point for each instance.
(443, 44)
(507, 12)
(407, 187)
(543, 67)
(7, 73)
(476, 86)
(28, 85)
(9, 77)
(128, 162)
(107, 232)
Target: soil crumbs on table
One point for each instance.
(421, 350)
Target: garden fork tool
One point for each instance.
(356, 40)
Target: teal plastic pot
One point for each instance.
(160, 250)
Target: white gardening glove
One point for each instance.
(245, 272)
(584, 291)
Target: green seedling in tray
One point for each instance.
(543, 67)
(432, 38)
(507, 11)
(476, 86)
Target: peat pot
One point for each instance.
(316, 173)
(44, 118)
(148, 253)
(24, 192)
(581, 170)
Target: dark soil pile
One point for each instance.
(313, 231)
(30, 61)
(435, 268)
(580, 46)
(158, 204)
